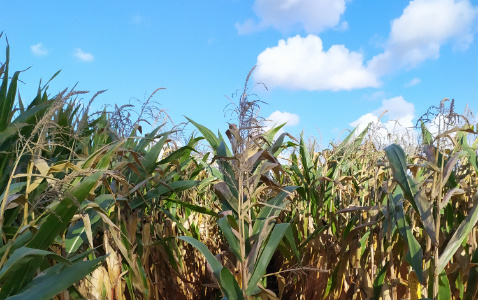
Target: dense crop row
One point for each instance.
(91, 210)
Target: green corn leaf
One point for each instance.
(20, 241)
(10, 131)
(444, 292)
(210, 137)
(186, 150)
(175, 186)
(59, 220)
(305, 159)
(225, 194)
(276, 147)
(415, 252)
(426, 135)
(76, 235)
(471, 286)
(149, 161)
(54, 223)
(261, 264)
(272, 210)
(212, 170)
(472, 157)
(49, 284)
(230, 237)
(106, 158)
(398, 164)
(7, 94)
(378, 282)
(312, 235)
(347, 138)
(193, 207)
(460, 234)
(289, 234)
(149, 138)
(426, 215)
(229, 286)
(14, 265)
(271, 133)
(359, 139)
(31, 115)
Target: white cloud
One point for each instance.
(39, 49)
(278, 118)
(394, 119)
(413, 82)
(313, 16)
(363, 121)
(343, 26)
(83, 56)
(422, 29)
(397, 108)
(302, 63)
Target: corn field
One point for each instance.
(93, 209)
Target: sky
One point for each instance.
(323, 66)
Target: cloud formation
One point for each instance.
(313, 16)
(393, 119)
(303, 64)
(39, 49)
(422, 29)
(278, 118)
(83, 56)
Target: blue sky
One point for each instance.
(327, 63)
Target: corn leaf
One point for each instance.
(415, 252)
(230, 237)
(460, 234)
(49, 284)
(229, 286)
(261, 264)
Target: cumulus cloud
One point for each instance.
(278, 118)
(422, 29)
(413, 82)
(83, 56)
(393, 119)
(302, 63)
(313, 16)
(39, 49)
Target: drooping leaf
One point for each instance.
(229, 286)
(460, 234)
(47, 285)
(398, 164)
(13, 266)
(415, 252)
